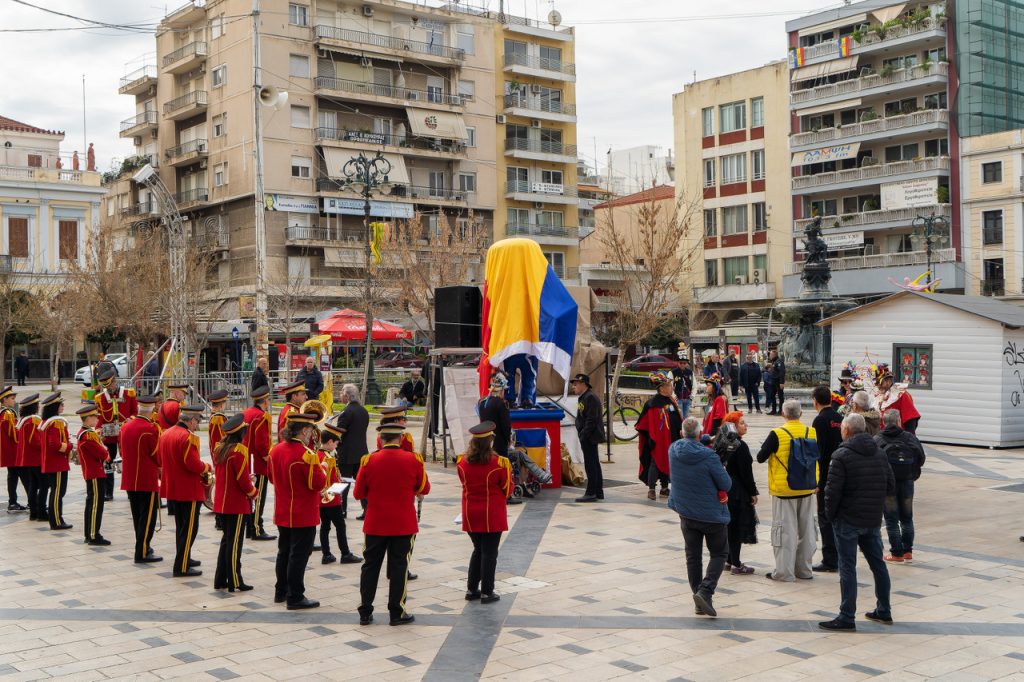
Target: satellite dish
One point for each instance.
(554, 17)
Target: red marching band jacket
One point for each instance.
(30, 442)
(389, 480)
(55, 435)
(298, 479)
(257, 439)
(333, 476)
(215, 431)
(282, 418)
(406, 443)
(140, 464)
(485, 487)
(8, 438)
(233, 485)
(115, 409)
(92, 454)
(179, 457)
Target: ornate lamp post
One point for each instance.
(931, 227)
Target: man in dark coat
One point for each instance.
(414, 390)
(590, 428)
(259, 375)
(21, 367)
(777, 393)
(859, 480)
(493, 408)
(827, 429)
(314, 380)
(750, 380)
(906, 457)
(352, 422)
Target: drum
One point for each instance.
(110, 430)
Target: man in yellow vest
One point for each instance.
(793, 511)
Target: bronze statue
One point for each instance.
(816, 274)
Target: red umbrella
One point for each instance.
(350, 325)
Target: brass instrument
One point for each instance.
(73, 454)
(326, 497)
(315, 407)
(208, 479)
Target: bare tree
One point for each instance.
(57, 317)
(15, 304)
(284, 301)
(204, 300)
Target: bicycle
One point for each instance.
(624, 419)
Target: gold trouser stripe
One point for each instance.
(405, 578)
(188, 538)
(234, 550)
(56, 502)
(95, 508)
(145, 529)
(257, 520)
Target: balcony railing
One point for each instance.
(375, 90)
(542, 63)
(550, 106)
(137, 78)
(378, 139)
(531, 230)
(197, 48)
(194, 98)
(33, 174)
(213, 238)
(540, 147)
(542, 188)
(187, 148)
(389, 42)
(192, 196)
(831, 47)
(993, 287)
(141, 208)
(880, 260)
(866, 218)
(878, 125)
(880, 170)
(855, 85)
(301, 233)
(328, 184)
(146, 117)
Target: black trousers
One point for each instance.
(294, 546)
(829, 553)
(94, 491)
(331, 516)
(22, 376)
(145, 507)
(397, 549)
(186, 526)
(735, 544)
(695, 535)
(58, 488)
(349, 471)
(592, 466)
(654, 475)
(753, 397)
(483, 562)
(109, 488)
(37, 485)
(13, 476)
(229, 558)
(259, 502)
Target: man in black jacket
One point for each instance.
(352, 422)
(413, 390)
(314, 380)
(776, 395)
(906, 457)
(750, 379)
(493, 408)
(859, 480)
(827, 429)
(590, 428)
(259, 375)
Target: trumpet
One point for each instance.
(317, 408)
(326, 497)
(208, 479)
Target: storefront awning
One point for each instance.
(829, 68)
(342, 258)
(855, 20)
(885, 14)
(337, 158)
(837, 152)
(846, 104)
(442, 124)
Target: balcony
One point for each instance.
(854, 177)
(139, 124)
(189, 104)
(144, 208)
(540, 67)
(413, 50)
(415, 146)
(545, 234)
(850, 279)
(138, 81)
(906, 124)
(734, 293)
(185, 58)
(186, 153)
(875, 220)
(540, 192)
(363, 91)
(520, 104)
(215, 238)
(880, 260)
(874, 84)
(422, 194)
(539, 150)
(50, 175)
(192, 197)
(898, 37)
(186, 15)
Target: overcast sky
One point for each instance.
(627, 68)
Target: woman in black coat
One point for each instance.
(743, 494)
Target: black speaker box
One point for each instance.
(457, 313)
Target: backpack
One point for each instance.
(802, 472)
(901, 458)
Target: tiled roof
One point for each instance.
(659, 193)
(18, 126)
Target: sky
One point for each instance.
(631, 57)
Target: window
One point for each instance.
(992, 227)
(734, 168)
(822, 207)
(936, 54)
(35, 160)
(301, 166)
(551, 218)
(938, 147)
(992, 172)
(901, 152)
(300, 116)
(914, 365)
(464, 38)
(467, 90)
(217, 27)
(552, 177)
(710, 222)
(901, 62)
(936, 101)
(551, 58)
(467, 182)
(736, 271)
(709, 172)
(518, 179)
(993, 277)
(219, 76)
(817, 122)
(708, 117)
(17, 237)
(220, 175)
(298, 15)
(220, 125)
(437, 183)
(757, 164)
(760, 217)
(435, 89)
(757, 112)
(68, 236)
(898, 108)
(518, 216)
(556, 260)
(470, 137)
(711, 273)
(300, 219)
(734, 220)
(298, 66)
(732, 117)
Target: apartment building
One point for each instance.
(635, 169)
(872, 143)
(733, 160)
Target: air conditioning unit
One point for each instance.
(758, 276)
(535, 89)
(365, 62)
(367, 11)
(152, 133)
(739, 279)
(152, 91)
(354, 240)
(202, 163)
(223, 256)
(500, 119)
(202, 68)
(412, 95)
(137, 141)
(538, 205)
(535, 123)
(201, 146)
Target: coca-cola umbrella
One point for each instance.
(350, 325)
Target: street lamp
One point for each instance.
(931, 227)
(363, 175)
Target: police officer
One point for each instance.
(590, 428)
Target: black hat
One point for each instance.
(580, 378)
(294, 387)
(846, 375)
(393, 411)
(107, 375)
(301, 418)
(261, 392)
(88, 409)
(52, 399)
(29, 399)
(178, 385)
(148, 399)
(234, 424)
(391, 428)
(330, 431)
(483, 429)
(190, 411)
(218, 396)
(8, 391)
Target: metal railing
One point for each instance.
(194, 98)
(145, 118)
(879, 170)
(875, 80)
(539, 147)
(136, 77)
(523, 187)
(302, 233)
(192, 196)
(329, 184)
(993, 287)
(376, 90)
(538, 103)
(542, 63)
(878, 125)
(197, 49)
(190, 147)
(874, 217)
(880, 260)
(529, 229)
(389, 42)
(831, 47)
(405, 141)
(212, 238)
(141, 208)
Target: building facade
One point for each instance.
(638, 168)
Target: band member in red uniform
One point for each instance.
(294, 396)
(232, 502)
(140, 475)
(486, 480)
(9, 448)
(257, 442)
(660, 424)
(389, 480)
(215, 430)
(92, 455)
(396, 414)
(56, 453)
(30, 457)
(896, 397)
(116, 404)
(167, 415)
(182, 484)
(299, 480)
(330, 511)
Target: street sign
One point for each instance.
(234, 333)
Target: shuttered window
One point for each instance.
(68, 235)
(17, 237)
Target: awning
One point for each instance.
(838, 152)
(349, 325)
(337, 158)
(342, 258)
(443, 124)
(846, 104)
(806, 73)
(884, 14)
(855, 20)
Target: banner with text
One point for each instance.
(910, 194)
(839, 152)
(378, 209)
(837, 242)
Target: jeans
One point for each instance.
(527, 367)
(696, 534)
(753, 398)
(592, 466)
(769, 396)
(828, 538)
(899, 519)
(848, 539)
(684, 407)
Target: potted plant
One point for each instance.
(869, 161)
(868, 116)
(926, 64)
(870, 204)
(857, 35)
(943, 194)
(886, 71)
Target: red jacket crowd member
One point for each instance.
(9, 448)
(896, 397)
(116, 405)
(299, 480)
(257, 442)
(330, 511)
(170, 410)
(294, 396)
(140, 475)
(486, 480)
(660, 424)
(390, 479)
(182, 484)
(92, 455)
(232, 502)
(30, 457)
(56, 453)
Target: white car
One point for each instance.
(120, 361)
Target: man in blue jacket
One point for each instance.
(699, 495)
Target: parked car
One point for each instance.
(395, 360)
(649, 363)
(119, 360)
